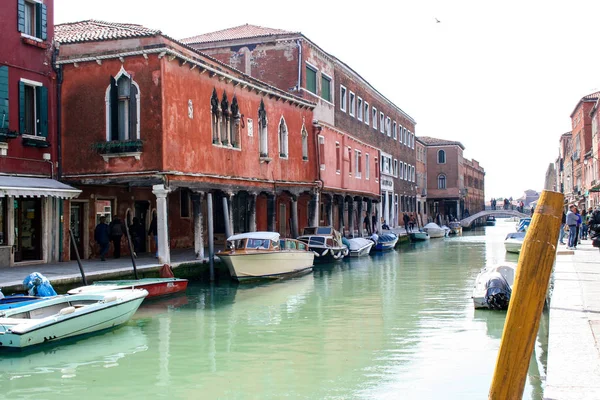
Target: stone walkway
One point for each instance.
(573, 369)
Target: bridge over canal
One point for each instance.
(465, 223)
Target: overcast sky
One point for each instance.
(502, 77)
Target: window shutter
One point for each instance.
(43, 21)
(132, 111)
(114, 110)
(4, 115)
(21, 15)
(21, 107)
(42, 107)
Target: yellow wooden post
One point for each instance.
(527, 301)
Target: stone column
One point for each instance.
(351, 217)
(294, 217)
(329, 210)
(341, 213)
(211, 236)
(227, 214)
(252, 200)
(361, 217)
(317, 200)
(370, 213)
(198, 225)
(313, 210)
(164, 253)
(271, 215)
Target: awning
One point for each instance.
(35, 187)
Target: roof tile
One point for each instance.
(238, 32)
(93, 30)
(439, 142)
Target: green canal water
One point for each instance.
(393, 326)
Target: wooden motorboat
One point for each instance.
(61, 317)
(455, 228)
(155, 287)
(259, 255)
(434, 230)
(418, 236)
(359, 247)
(325, 242)
(386, 242)
(514, 241)
(490, 220)
(493, 286)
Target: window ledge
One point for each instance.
(34, 41)
(227, 146)
(34, 141)
(265, 159)
(134, 154)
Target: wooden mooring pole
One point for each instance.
(527, 301)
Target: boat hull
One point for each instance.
(364, 251)
(436, 233)
(156, 287)
(114, 311)
(244, 266)
(418, 236)
(479, 296)
(513, 246)
(387, 246)
(328, 254)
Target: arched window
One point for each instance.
(441, 157)
(442, 181)
(262, 130)
(122, 108)
(215, 116)
(234, 123)
(304, 135)
(283, 138)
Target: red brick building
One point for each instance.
(421, 181)
(453, 183)
(354, 171)
(152, 127)
(30, 197)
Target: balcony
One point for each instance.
(119, 148)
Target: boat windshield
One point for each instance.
(316, 240)
(258, 244)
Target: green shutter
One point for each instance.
(21, 15)
(311, 80)
(43, 31)
(4, 115)
(21, 107)
(325, 88)
(42, 109)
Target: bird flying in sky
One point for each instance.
(437, 20)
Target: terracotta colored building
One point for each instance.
(30, 197)
(354, 172)
(448, 195)
(154, 129)
(421, 180)
(564, 165)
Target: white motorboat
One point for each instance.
(514, 241)
(359, 247)
(325, 242)
(61, 317)
(493, 286)
(455, 228)
(435, 231)
(257, 255)
(418, 236)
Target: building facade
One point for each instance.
(421, 181)
(346, 105)
(31, 200)
(174, 136)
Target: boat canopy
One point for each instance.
(274, 236)
(432, 225)
(318, 230)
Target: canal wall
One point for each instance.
(573, 366)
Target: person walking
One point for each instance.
(571, 221)
(367, 224)
(561, 239)
(577, 236)
(406, 220)
(583, 234)
(102, 237)
(116, 233)
(374, 222)
(136, 230)
(153, 231)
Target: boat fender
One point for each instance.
(338, 255)
(346, 251)
(110, 298)
(325, 252)
(66, 310)
(316, 254)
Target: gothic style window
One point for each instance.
(441, 157)
(283, 138)
(262, 130)
(225, 120)
(215, 116)
(442, 181)
(123, 108)
(304, 135)
(234, 123)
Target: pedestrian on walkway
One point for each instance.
(102, 237)
(562, 228)
(594, 225)
(406, 220)
(153, 231)
(577, 236)
(374, 222)
(571, 221)
(136, 230)
(583, 233)
(116, 233)
(411, 222)
(367, 224)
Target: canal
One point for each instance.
(393, 326)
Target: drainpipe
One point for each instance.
(299, 44)
(61, 216)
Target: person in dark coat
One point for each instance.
(153, 231)
(102, 237)
(116, 233)
(367, 224)
(374, 222)
(136, 231)
(406, 220)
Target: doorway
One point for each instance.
(76, 226)
(28, 229)
(141, 213)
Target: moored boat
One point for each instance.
(523, 224)
(17, 300)
(493, 286)
(514, 242)
(386, 242)
(490, 220)
(155, 287)
(455, 228)
(359, 247)
(325, 242)
(418, 236)
(434, 230)
(61, 317)
(260, 255)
